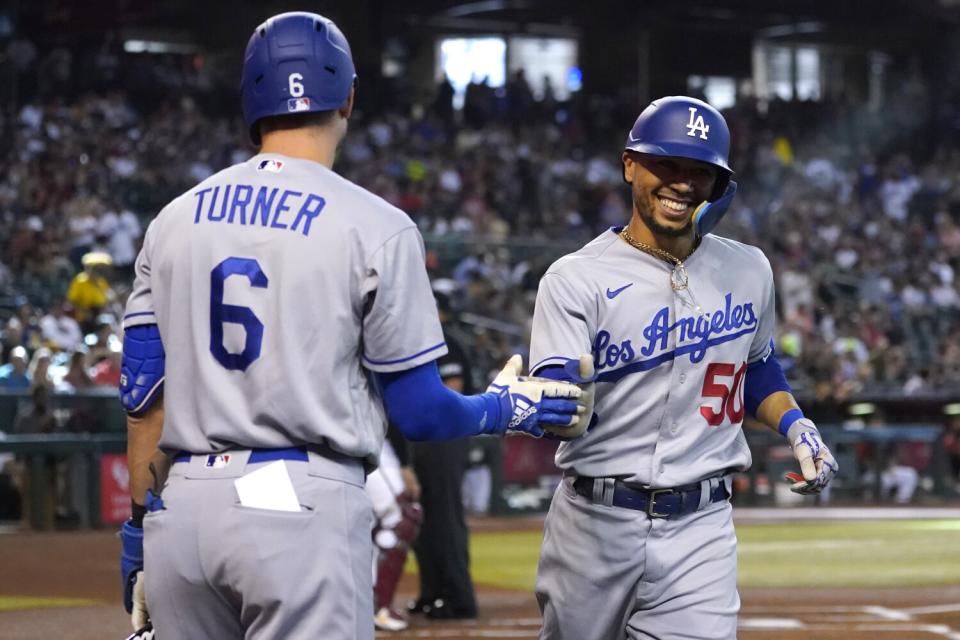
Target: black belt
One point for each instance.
(256, 455)
(656, 503)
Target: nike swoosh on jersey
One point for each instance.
(613, 294)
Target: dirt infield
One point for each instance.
(51, 567)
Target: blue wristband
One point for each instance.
(788, 419)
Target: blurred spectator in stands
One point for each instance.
(90, 291)
(122, 229)
(899, 463)
(519, 98)
(22, 328)
(6, 277)
(106, 372)
(898, 187)
(37, 415)
(102, 341)
(23, 53)
(951, 444)
(918, 382)
(55, 73)
(59, 330)
(13, 375)
(39, 369)
(443, 101)
(83, 213)
(478, 103)
(797, 286)
(77, 378)
(548, 101)
(890, 366)
(900, 479)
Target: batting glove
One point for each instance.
(131, 571)
(529, 404)
(817, 464)
(139, 617)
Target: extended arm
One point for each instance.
(423, 408)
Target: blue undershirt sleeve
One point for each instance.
(763, 378)
(422, 408)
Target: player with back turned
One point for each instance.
(639, 541)
(278, 313)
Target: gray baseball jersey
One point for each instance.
(669, 399)
(669, 409)
(274, 284)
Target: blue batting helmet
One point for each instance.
(684, 127)
(295, 62)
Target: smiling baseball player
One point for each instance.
(282, 310)
(639, 540)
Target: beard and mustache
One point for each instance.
(645, 209)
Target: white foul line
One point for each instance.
(888, 614)
(769, 623)
(940, 608)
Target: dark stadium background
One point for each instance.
(849, 181)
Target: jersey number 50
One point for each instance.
(244, 316)
(730, 394)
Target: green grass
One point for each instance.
(16, 603)
(851, 554)
(836, 554)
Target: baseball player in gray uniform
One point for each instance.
(282, 312)
(639, 540)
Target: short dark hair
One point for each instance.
(295, 121)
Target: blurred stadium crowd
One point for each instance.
(861, 223)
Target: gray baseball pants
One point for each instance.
(216, 570)
(610, 573)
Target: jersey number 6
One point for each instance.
(244, 316)
(729, 395)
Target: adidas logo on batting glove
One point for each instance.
(528, 404)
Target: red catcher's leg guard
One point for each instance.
(391, 561)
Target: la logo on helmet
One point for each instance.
(697, 124)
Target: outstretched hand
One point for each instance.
(530, 405)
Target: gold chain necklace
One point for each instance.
(678, 276)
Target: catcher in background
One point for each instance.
(639, 540)
(394, 492)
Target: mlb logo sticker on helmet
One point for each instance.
(298, 104)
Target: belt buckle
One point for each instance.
(652, 503)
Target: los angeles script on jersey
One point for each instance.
(271, 207)
(695, 335)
